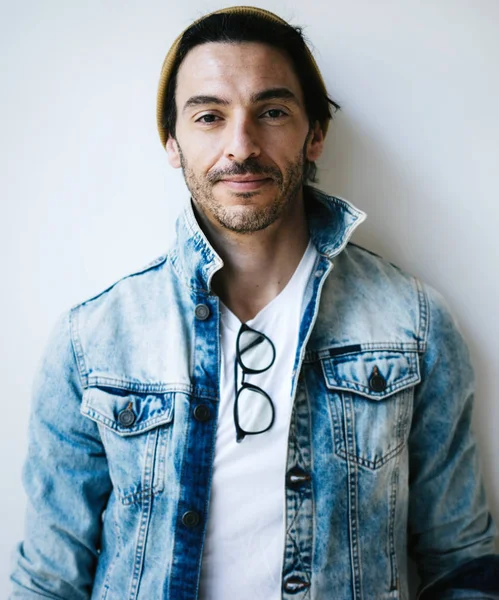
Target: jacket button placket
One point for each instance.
(297, 567)
(198, 454)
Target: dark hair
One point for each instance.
(237, 27)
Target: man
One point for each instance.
(267, 411)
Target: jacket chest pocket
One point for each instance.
(371, 397)
(135, 430)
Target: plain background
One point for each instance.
(88, 196)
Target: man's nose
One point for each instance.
(242, 140)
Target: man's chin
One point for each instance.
(246, 219)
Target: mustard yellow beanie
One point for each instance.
(166, 70)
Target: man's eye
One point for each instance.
(207, 119)
(275, 113)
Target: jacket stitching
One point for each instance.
(423, 324)
(77, 347)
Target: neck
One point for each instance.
(258, 265)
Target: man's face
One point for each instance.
(242, 133)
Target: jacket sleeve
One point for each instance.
(66, 480)
(451, 533)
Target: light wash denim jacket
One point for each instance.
(381, 463)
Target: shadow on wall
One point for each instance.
(397, 197)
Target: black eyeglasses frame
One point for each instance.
(240, 432)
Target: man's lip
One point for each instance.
(246, 185)
(244, 179)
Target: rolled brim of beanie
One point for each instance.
(168, 63)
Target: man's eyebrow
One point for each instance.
(278, 93)
(200, 100)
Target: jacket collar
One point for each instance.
(332, 222)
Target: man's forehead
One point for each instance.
(217, 64)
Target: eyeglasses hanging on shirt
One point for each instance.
(253, 409)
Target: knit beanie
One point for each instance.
(168, 63)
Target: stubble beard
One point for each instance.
(249, 218)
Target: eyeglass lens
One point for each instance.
(254, 410)
(256, 353)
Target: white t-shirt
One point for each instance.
(244, 543)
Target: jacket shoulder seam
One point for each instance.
(74, 314)
(424, 315)
(422, 324)
(77, 346)
(149, 267)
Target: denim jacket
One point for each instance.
(381, 463)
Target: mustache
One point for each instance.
(248, 167)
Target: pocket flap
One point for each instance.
(375, 374)
(125, 412)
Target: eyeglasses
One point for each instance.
(253, 409)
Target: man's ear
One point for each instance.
(315, 143)
(173, 152)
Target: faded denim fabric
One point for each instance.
(381, 461)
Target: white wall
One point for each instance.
(87, 194)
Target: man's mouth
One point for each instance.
(246, 182)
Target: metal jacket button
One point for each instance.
(126, 417)
(377, 382)
(296, 477)
(202, 413)
(295, 584)
(190, 518)
(202, 312)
